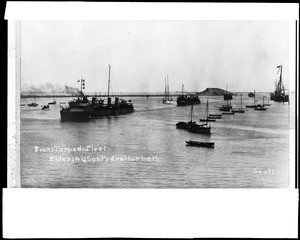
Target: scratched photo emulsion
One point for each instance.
(154, 104)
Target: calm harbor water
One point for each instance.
(251, 149)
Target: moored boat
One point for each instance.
(203, 128)
(239, 110)
(254, 105)
(167, 99)
(279, 94)
(201, 144)
(206, 115)
(187, 125)
(33, 104)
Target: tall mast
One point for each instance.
(81, 85)
(108, 82)
(281, 85)
(168, 86)
(254, 98)
(182, 89)
(241, 102)
(207, 110)
(165, 88)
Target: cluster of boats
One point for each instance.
(205, 127)
(43, 107)
(82, 108)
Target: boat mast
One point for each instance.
(182, 89)
(192, 109)
(254, 99)
(108, 83)
(281, 84)
(165, 88)
(168, 87)
(241, 102)
(207, 110)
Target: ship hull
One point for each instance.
(200, 129)
(93, 113)
(186, 103)
(279, 97)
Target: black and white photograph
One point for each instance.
(152, 104)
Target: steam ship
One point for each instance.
(82, 108)
(279, 93)
(184, 100)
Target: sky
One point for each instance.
(240, 54)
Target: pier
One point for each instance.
(95, 95)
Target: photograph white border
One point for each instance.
(143, 213)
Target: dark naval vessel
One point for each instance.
(83, 108)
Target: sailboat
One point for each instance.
(187, 125)
(206, 115)
(201, 128)
(33, 104)
(166, 99)
(261, 107)
(241, 109)
(227, 95)
(254, 101)
(267, 104)
(279, 93)
(227, 107)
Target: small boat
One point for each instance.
(206, 115)
(187, 125)
(254, 103)
(225, 108)
(215, 115)
(207, 120)
(239, 110)
(227, 95)
(53, 102)
(200, 144)
(251, 94)
(228, 113)
(23, 104)
(33, 104)
(261, 107)
(267, 104)
(167, 99)
(203, 128)
(45, 107)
